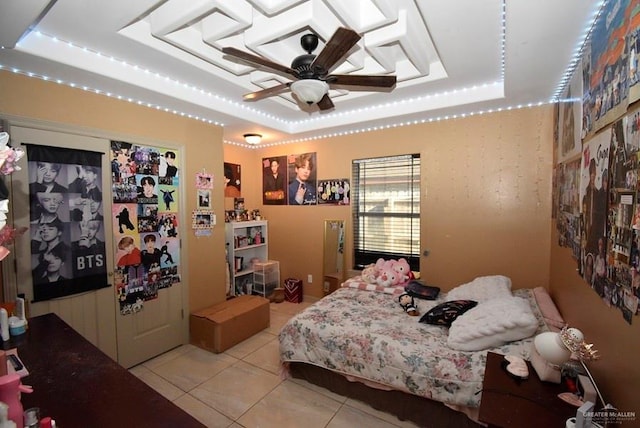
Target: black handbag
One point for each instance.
(419, 290)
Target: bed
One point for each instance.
(360, 343)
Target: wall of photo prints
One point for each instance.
(597, 194)
(146, 191)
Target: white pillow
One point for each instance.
(492, 323)
(482, 289)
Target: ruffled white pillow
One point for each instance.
(492, 323)
(482, 288)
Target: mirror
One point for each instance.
(334, 255)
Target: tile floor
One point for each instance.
(242, 387)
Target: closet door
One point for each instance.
(127, 338)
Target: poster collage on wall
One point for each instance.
(597, 192)
(145, 185)
(292, 180)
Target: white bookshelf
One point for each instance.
(246, 241)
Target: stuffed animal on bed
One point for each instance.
(408, 304)
(382, 264)
(387, 278)
(402, 269)
(370, 274)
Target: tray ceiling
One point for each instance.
(451, 58)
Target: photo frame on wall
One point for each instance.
(204, 199)
(204, 181)
(202, 219)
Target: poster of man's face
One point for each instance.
(302, 174)
(274, 180)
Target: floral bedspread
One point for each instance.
(367, 335)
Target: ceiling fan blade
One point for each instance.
(254, 59)
(264, 93)
(339, 44)
(361, 80)
(325, 103)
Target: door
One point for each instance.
(129, 339)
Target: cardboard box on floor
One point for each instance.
(226, 324)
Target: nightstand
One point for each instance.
(510, 402)
(332, 282)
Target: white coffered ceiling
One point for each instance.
(451, 57)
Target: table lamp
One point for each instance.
(558, 348)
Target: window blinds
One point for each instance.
(386, 209)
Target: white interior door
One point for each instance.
(152, 331)
(129, 339)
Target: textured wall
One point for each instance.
(45, 101)
(486, 197)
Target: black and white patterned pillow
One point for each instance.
(447, 312)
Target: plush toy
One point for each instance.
(402, 268)
(370, 274)
(408, 304)
(382, 264)
(396, 279)
(387, 278)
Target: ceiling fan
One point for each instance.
(311, 73)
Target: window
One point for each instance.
(386, 209)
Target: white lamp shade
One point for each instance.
(309, 91)
(550, 347)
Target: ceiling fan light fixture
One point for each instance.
(252, 139)
(309, 91)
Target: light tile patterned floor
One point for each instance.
(242, 387)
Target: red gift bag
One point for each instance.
(293, 290)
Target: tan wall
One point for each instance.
(485, 205)
(35, 99)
